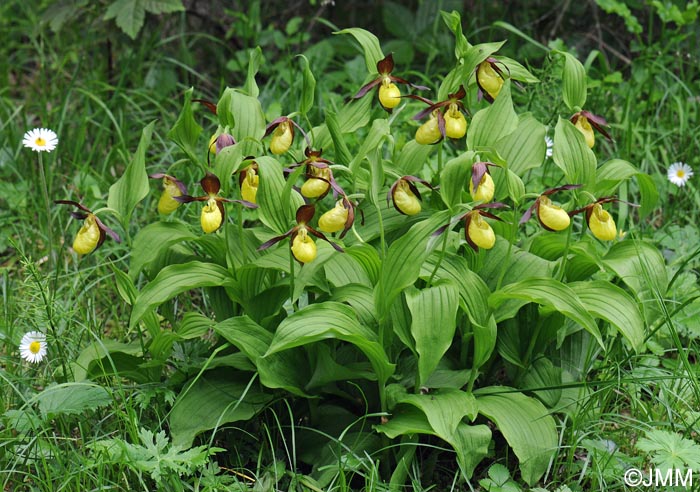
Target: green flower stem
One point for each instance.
(291, 279)
(47, 203)
(506, 261)
(443, 250)
(565, 257)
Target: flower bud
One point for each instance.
(334, 220)
(303, 247)
(315, 187)
(602, 224)
(479, 232)
(585, 127)
(455, 123)
(389, 94)
(405, 200)
(88, 236)
(167, 204)
(429, 132)
(211, 217)
(489, 80)
(224, 140)
(552, 216)
(485, 189)
(249, 186)
(282, 138)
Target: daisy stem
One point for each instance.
(47, 203)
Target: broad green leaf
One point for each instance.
(72, 398)
(514, 264)
(527, 426)
(611, 174)
(543, 374)
(377, 133)
(342, 153)
(573, 156)
(175, 279)
(470, 442)
(444, 409)
(152, 240)
(308, 86)
(369, 44)
(227, 162)
(609, 302)
(649, 195)
(573, 77)
(186, 130)
(455, 175)
(193, 325)
(347, 269)
(412, 157)
(353, 115)
(104, 353)
(404, 258)
(360, 297)
(491, 124)
(132, 186)
(275, 212)
(453, 20)
(326, 320)
(255, 59)
(243, 114)
(328, 370)
(433, 313)
(548, 292)
(287, 370)
(211, 401)
(516, 71)
(639, 265)
(524, 148)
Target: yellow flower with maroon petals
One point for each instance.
(92, 233)
(586, 122)
(552, 217)
(489, 78)
(405, 195)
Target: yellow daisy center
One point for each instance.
(680, 173)
(35, 347)
(40, 142)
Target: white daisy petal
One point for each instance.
(40, 140)
(679, 173)
(32, 348)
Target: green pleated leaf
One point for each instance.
(444, 409)
(132, 186)
(353, 115)
(308, 86)
(433, 313)
(348, 268)
(243, 114)
(573, 156)
(639, 265)
(611, 174)
(453, 20)
(611, 303)
(573, 77)
(227, 162)
(455, 175)
(360, 298)
(491, 124)
(404, 258)
(649, 195)
(412, 157)
(152, 240)
(186, 130)
(102, 356)
(548, 292)
(342, 153)
(527, 426)
(369, 44)
(377, 133)
(175, 279)
(542, 373)
(72, 398)
(211, 401)
(276, 200)
(525, 147)
(517, 71)
(326, 320)
(255, 59)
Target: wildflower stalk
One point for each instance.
(291, 279)
(506, 261)
(47, 203)
(440, 258)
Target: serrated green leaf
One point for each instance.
(175, 279)
(129, 15)
(72, 398)
(132, 186)
(527, 426)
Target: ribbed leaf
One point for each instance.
(132, 186)
(175, 279)
(342, 153)
(152, 240)
(377, 133)
(243, 113)
(275, 212)
(573, 156)
(611, 174)
(527, 426)
(525, 147)
(491, 124)
(326, 320)
(255, 59)
(611, 303)
(348, 268)
(574, 82)
(433, 313)
(412, 157)
(455, 175)
(473, 56)
(308, 86)
(72, 398)
(551, 293)
(186, 130)
(444, 409)
(369, 44)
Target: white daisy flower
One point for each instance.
(40, 140)
(550, 146)
(679, 173)
(32, 348)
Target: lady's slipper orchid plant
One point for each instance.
(599, 221)
(586, 122)
(301, 243)
(389, 93)
(405, 195)
(249, 180)
(551, 216)
(447, 123)
(339, 218)
(477, 231)
(92, 234)
(172, 187)
(213, 213)
(219, 142)
(481, 185)
(489, 78)
(319, 176)
(282, 130)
